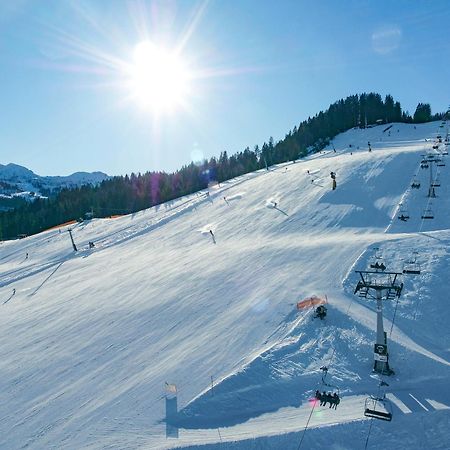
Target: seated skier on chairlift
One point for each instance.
(335, 400)
(324, 398)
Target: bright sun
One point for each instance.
(159, 80)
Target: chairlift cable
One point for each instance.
(323, 382)
(393, 318)
(306, 426)
(427, 207)
(371, 420)
(368, 434)
(315, 402)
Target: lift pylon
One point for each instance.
(379, 285)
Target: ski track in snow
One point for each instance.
(89, 339)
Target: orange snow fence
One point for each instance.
(311, 301)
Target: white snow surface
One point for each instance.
(89, 339)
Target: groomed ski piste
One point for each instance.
(179, 329)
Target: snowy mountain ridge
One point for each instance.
(16, 179)
(179, 328)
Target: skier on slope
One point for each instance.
(333, 178)
(321, 312)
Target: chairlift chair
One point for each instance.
(424, 165)
(412, 267)
(324, 370)
(377, 253)
(415, 184)
(403, 213)
(378, 408)
(378, 266)
(428, 214)
(436, 182)
(378, 259)
(333, 388)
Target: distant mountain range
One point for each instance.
(19, 182)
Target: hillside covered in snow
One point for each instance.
(179, 328)
(18, 181)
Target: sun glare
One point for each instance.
(158, 78)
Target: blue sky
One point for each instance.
(258, 68)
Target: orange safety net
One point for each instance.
(310, 301)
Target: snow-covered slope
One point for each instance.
(90, 339)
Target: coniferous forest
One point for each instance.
(127, 194)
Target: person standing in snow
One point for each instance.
(212, 235)
(333, 177)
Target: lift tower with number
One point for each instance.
(379, 285)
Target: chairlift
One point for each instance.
(436, 182)
(428, 214)
(333, 397)
(415, 184)
(378, 408)
(324, 370)
(403, 213)
(377, 253)
(412, 267)
(424, 165)
(378, 264)
(440, 163)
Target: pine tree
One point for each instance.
(422, 113)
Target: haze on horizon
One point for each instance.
(153, 85)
